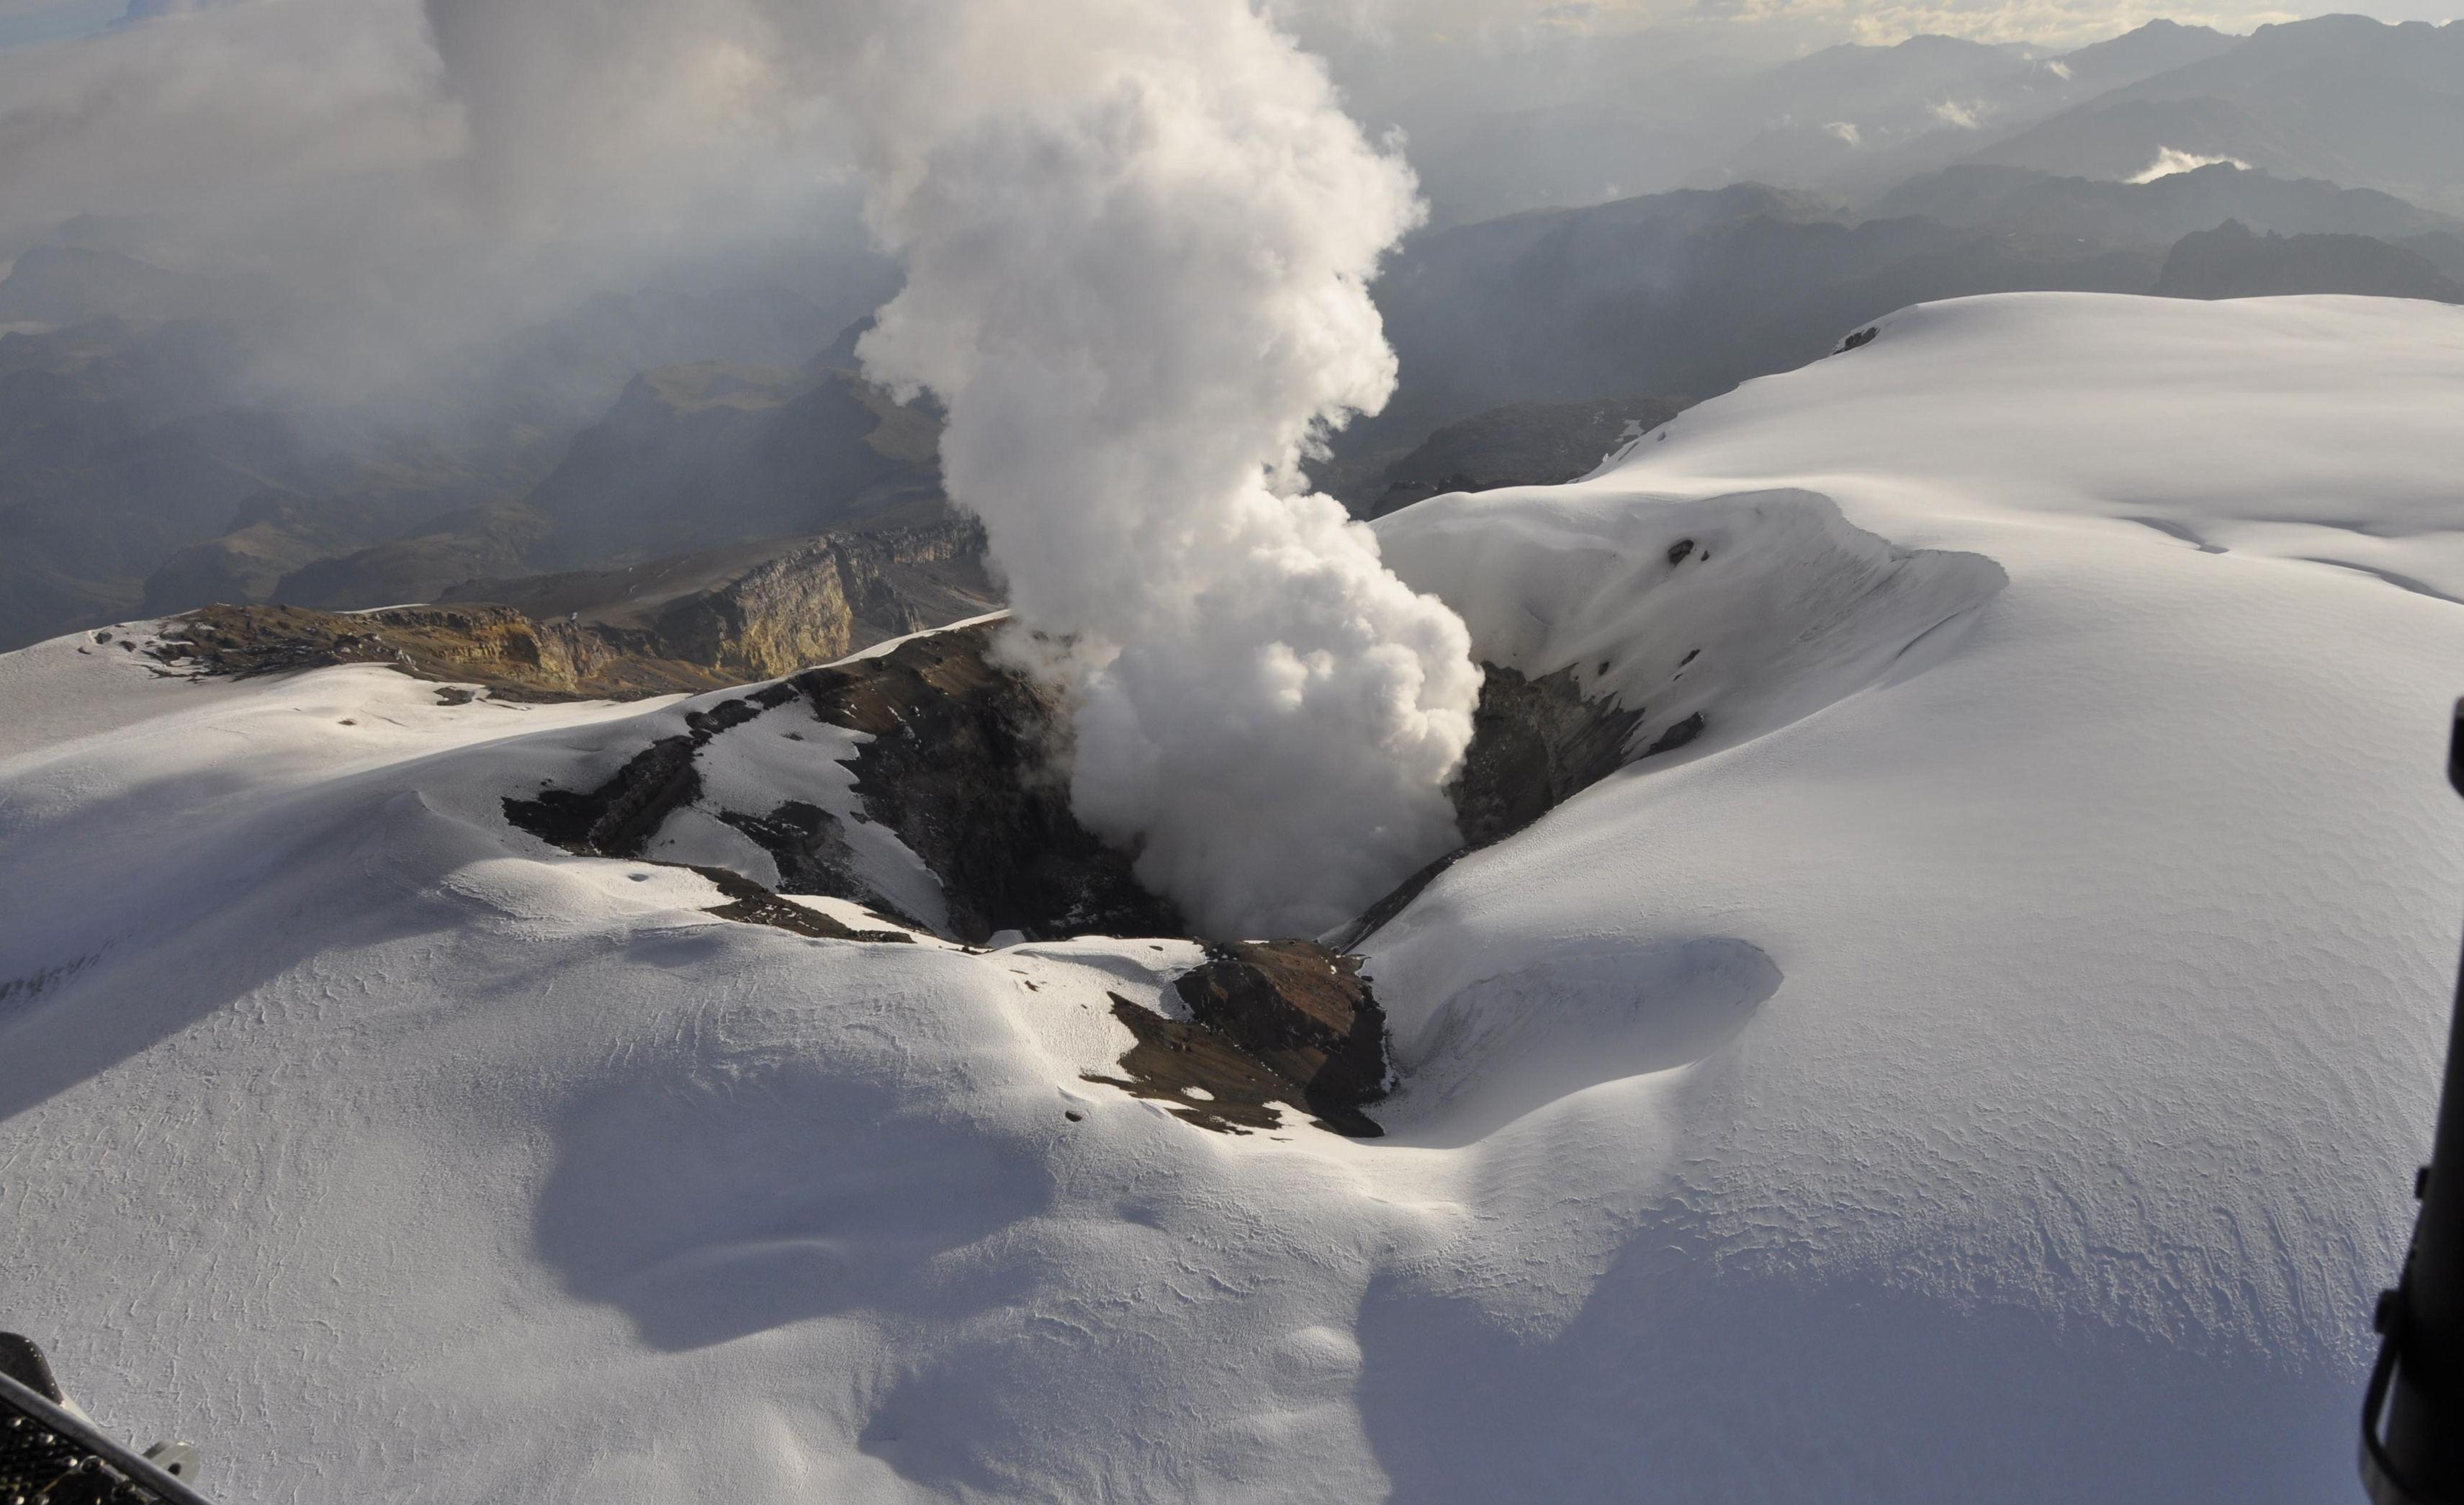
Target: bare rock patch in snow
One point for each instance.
(942, 753)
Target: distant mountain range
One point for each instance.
(2156, 212)
(147, 463)
(2340, 97)
(138, 474)
(2233, 262)
(1686, 294)
(2358, 102)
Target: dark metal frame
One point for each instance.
(148, 1478)
(2412, 1417)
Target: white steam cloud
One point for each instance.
(1138, 265)
(2171, 161)
(1137, 237)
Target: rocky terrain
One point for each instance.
(494, 647)
(769, 607)
(1270, 1022)
(697, 623)
(2158, 211)
(962, 759)
(2235, 261)
(1520, 444)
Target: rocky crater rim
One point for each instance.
(1659, 631)
(696, 623)
(937, 744)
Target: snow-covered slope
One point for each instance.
(1984, 1063)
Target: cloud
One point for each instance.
(1138, 236)
(414, 194)
(2171, 161)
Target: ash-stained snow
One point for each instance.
(1985, 1063)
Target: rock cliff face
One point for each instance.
(493, 647)
(957, 763)
(700, 623)
(831, 597)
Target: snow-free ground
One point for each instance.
(1986, 1064)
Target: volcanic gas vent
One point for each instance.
(916, 784)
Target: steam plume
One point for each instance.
(1137, 236)
(1138, 264)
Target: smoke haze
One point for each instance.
(1137, 239)
(1136, 236)
(1137, 273)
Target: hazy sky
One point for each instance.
(1473, 21)
(2056, 21)
(434, 195)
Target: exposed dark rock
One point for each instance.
(960, 767)
(1535, 744)
(495, 646)
(1678, 735)
(1270, 1022)
(1860, 339)
(1520, 444)
(957, 766)
(617, 817)
(1678, 550)
(753, 904)
(1306, 1014)
(1173, 1055)
(805, 842)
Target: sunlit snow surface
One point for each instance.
(1987, 1064)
